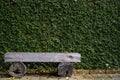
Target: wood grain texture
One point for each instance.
(17, 69)
(41, 57)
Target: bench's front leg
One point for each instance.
(17, 69)
(65, 69)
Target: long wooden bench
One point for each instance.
(18, 68)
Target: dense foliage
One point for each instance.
(90, 27)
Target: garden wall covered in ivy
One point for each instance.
(90, 27)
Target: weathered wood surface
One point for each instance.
(65, 69)
(42, 57)
(17, 69)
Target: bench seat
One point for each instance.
(41, 57)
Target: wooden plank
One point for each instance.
(42, 57)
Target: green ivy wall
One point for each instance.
(90, 27)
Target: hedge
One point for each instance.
(89, 27)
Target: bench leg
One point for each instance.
(65, 69)
(17, 69)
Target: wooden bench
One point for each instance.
(18, 68)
